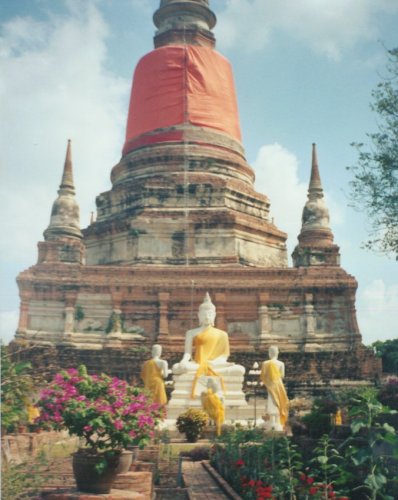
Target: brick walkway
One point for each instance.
(201, 486)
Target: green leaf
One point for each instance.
(376, 481)
(389, 428)
(357, 426)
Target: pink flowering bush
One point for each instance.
(106, 412)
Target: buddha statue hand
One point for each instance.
(185, 365)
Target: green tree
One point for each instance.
(16, 389)
(374, 187)
(388, 352)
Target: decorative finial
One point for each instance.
(207, 303)
(316, 245)
(315, 213)
(67, 176)
(315, 180)
(184, 22)
(65, 219)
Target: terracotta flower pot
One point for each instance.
(126, 459)
(87, 477)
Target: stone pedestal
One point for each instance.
(236, 407)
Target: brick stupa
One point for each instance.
(182, 218)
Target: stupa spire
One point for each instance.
(184, 21)
(315, 180)
(67, 174)
(316, 238)
(65, 219)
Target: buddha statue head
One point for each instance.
(156, 350)
(207, 312)
(273, 352)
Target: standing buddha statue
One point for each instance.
(153, 373)
(272, 373)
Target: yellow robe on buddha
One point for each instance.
(213, 406)
(272, 379)
(153, 381)
(209, 344)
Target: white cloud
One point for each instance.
(378, 311)
(55, 86)
(8, 325)
(277, 177)
(328, 27)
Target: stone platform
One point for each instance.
(137, 485)
(236, 406)
(73, 494)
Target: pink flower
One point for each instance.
(144, 420)
(124, 413)
(57, 417)
(118, 425)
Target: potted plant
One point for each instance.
(191, 423)
(106, 413)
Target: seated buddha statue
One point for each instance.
(207, 349)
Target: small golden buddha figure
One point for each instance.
(213, 405)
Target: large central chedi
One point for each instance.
(182, 218)
(183, 192)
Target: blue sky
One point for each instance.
(304, 71)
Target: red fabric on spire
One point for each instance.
(178, 84)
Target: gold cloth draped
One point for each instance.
(209, 345)
(153, 381)
(213, 406)
(272, 379)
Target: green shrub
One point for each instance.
(19, 481)
(388, 393)
(191, 423)
(16, 391)
(319, 420)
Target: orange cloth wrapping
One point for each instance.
(213, 406)
(180, 84)
(271, 378)
(209, 345)
(153, 381)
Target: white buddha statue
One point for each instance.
(153, 373)
(272, 374)
(207, 349)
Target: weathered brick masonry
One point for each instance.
(183, 218)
